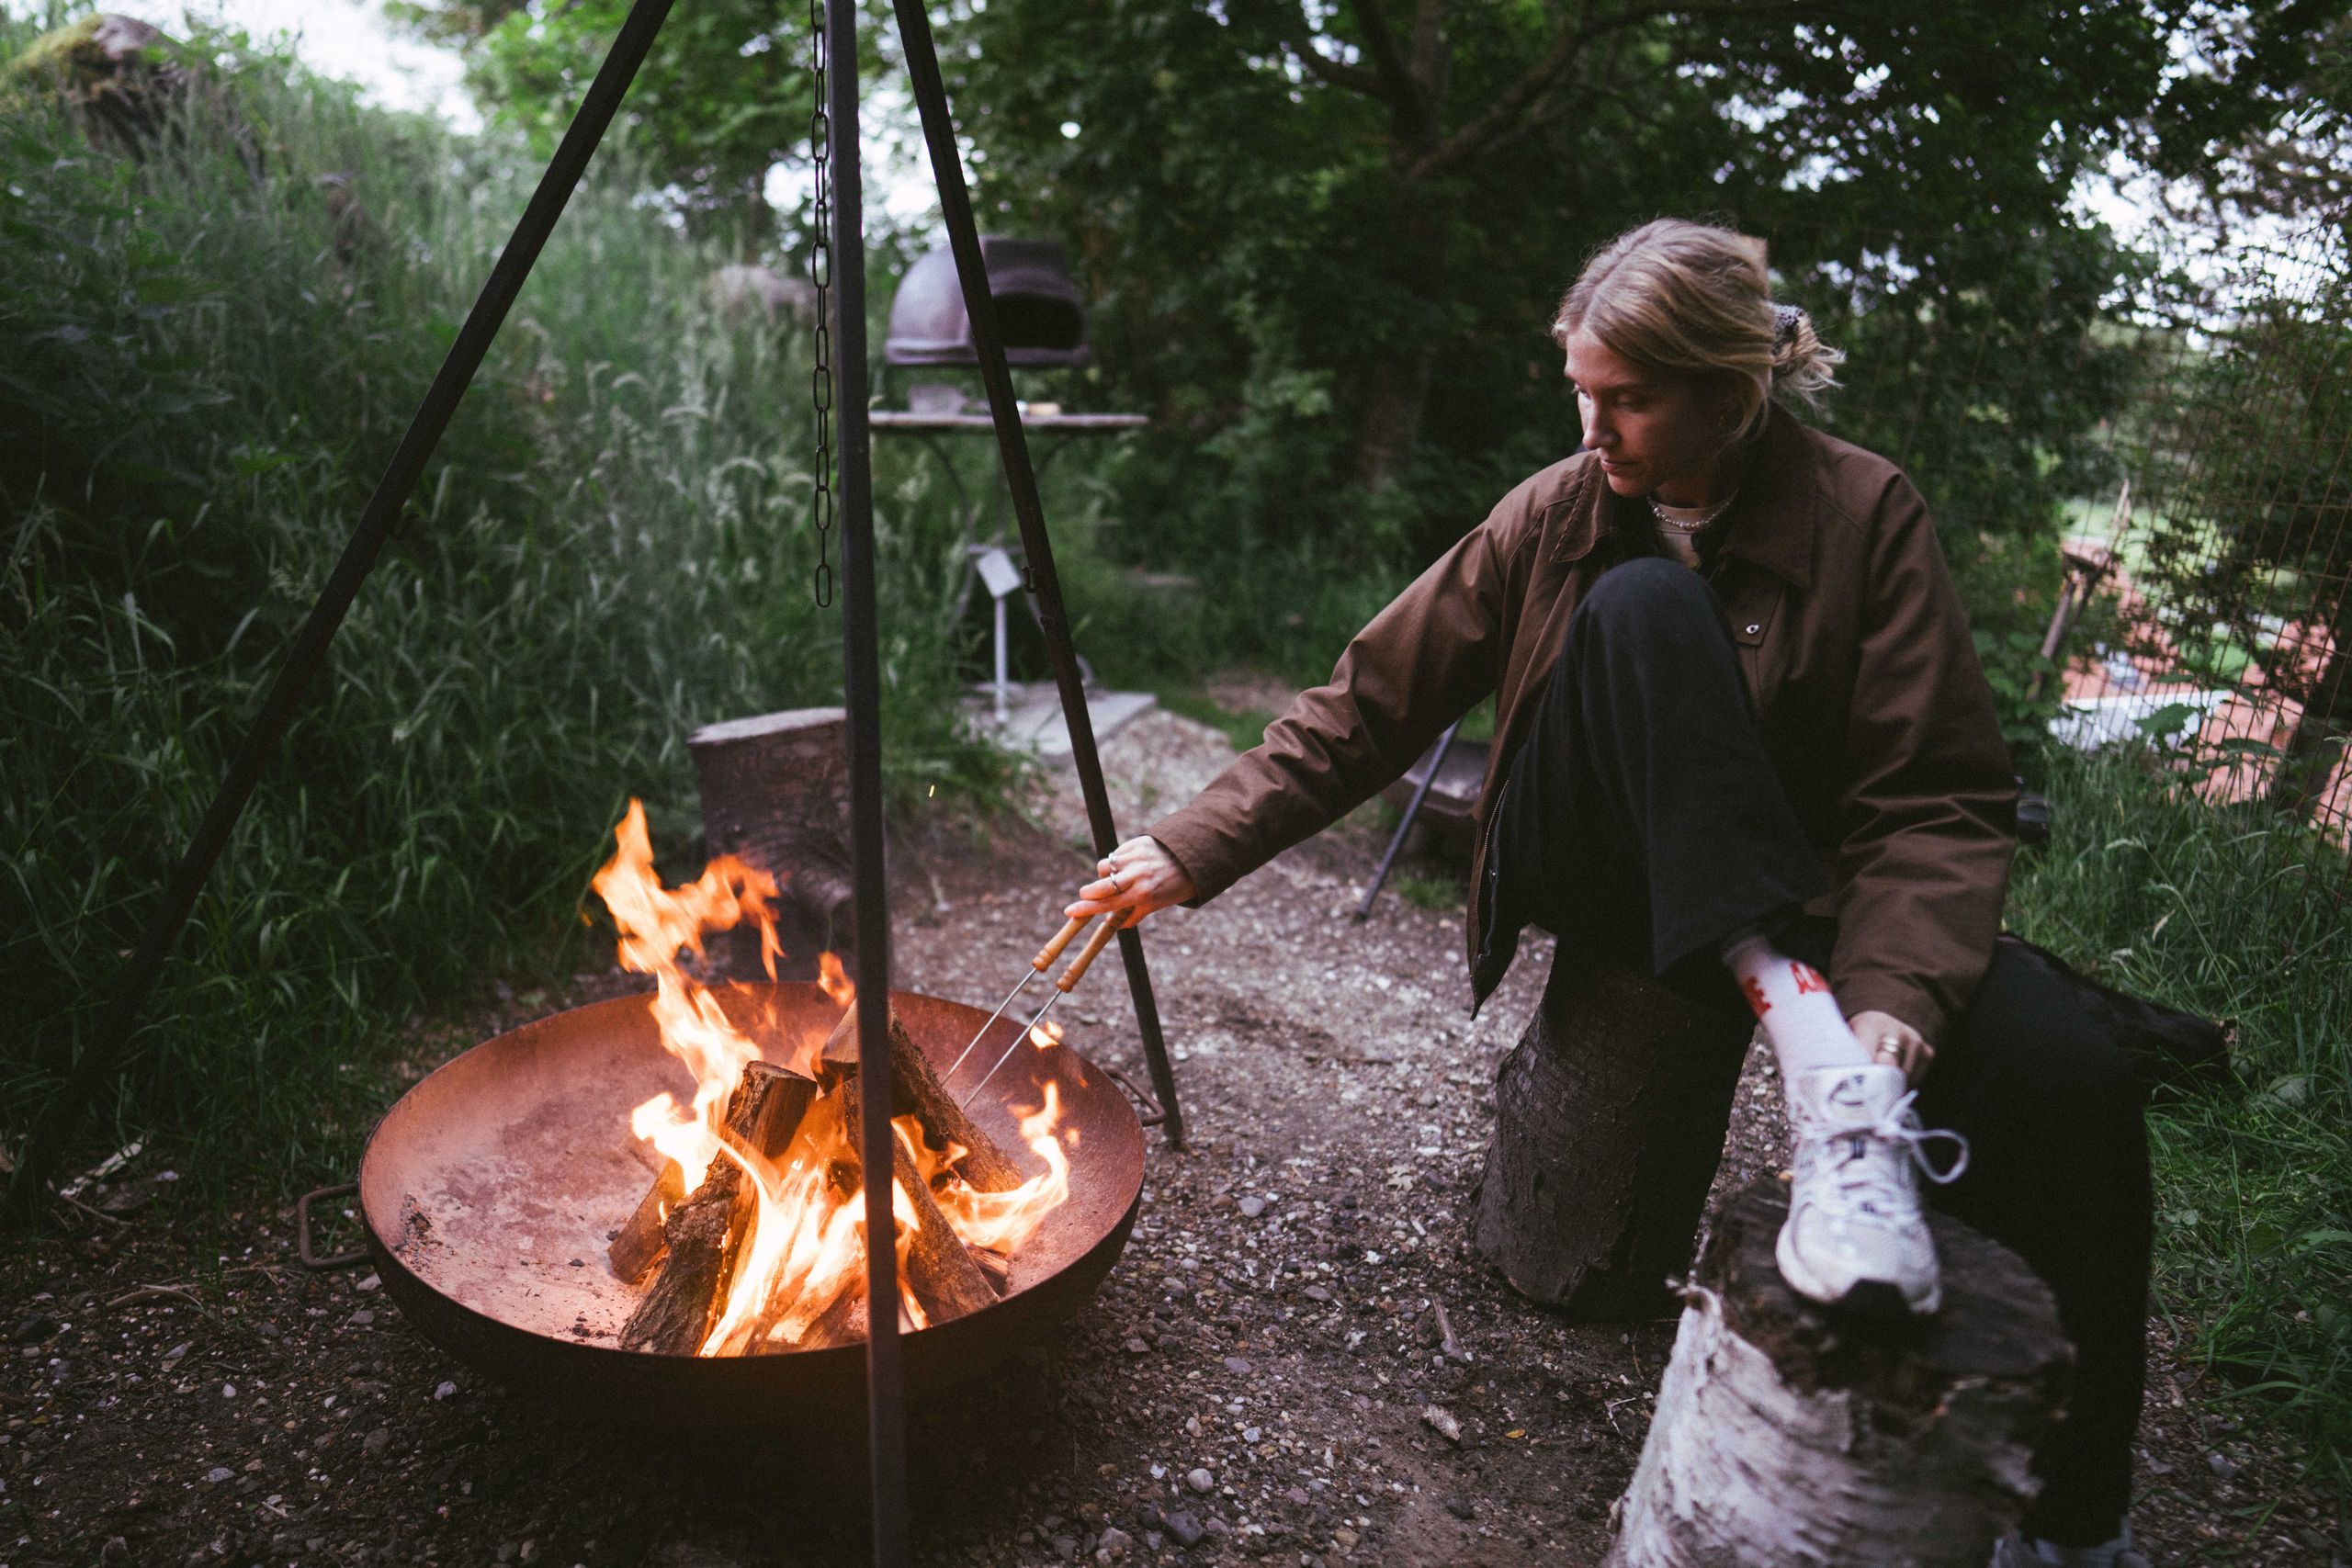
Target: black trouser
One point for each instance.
(1641, 823)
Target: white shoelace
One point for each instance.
(1871, 1182)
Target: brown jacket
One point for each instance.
(1874, 709)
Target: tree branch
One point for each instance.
(1527, 94)
(1291, 30)
(1403, 91)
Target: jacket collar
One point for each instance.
(1772, 525)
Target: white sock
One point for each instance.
(1802, 1020)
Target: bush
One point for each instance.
(2236, 913)
(205, 372)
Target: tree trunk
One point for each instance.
(776, 793)
(1609, 1123)
(1787, 1435)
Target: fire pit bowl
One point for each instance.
(488, 1191)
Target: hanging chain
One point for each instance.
(820, 269)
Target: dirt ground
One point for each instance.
(1261, 1376)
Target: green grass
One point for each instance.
(197, 393)
(2236, 914)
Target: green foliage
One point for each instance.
(202, 377)
(2235, 913)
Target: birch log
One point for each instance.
(1787, 1435)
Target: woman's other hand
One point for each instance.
(1890, 1040)
(1139, 876)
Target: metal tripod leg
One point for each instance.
(1021, 479)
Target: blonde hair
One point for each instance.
(1696, 300)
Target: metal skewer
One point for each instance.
(1037, 965)
(1062, 986)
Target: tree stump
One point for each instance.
(1787, 1434)
(1609, 1122)
(776, 793)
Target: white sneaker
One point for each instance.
(1855, 1234)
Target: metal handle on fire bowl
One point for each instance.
(1148, 1112)
(310, 1258)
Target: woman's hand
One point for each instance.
(1890, 1040)
(1139, 876)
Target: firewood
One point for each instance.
(636, 1244)
(705, 1232)
(915, 1090)
(779, 1108)
(939, 1267)
(1788, 1432)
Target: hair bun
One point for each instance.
(1793, 335)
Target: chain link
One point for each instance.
(820, 277)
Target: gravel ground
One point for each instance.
(1266, 1375)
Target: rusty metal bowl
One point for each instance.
(488, 1191)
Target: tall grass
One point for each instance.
(201, 375)
(2239, 914)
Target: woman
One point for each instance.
(1743, 740)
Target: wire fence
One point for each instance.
(2208, 607)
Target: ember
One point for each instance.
(752, 1239)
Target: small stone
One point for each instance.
(1251, 1433)
(1296, 1496)
(444, 1391)
(1185, 1528)
(1237, 1365)
(361, 1319)
(1251, 1207)
(372, 1282)
(218, 1475)
(1317, 1293)
(1460, 1507)
(1344, 1538)
(1066, 1548)
(529, 1552)
(228, 1390)
(1439, 1420)
(1115, 1541)
(376, 1442)
(1136, 1346)
(507, 1550)
(1200, 1480)
(2222, 1466)
(38, 1326)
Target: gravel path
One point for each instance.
(1266, 1375)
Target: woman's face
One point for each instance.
(1655, 434)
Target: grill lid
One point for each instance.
(1038, 308)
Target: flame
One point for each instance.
(1044, 1034)
(836, 984)
(803, 1257)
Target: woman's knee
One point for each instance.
(1647, 595)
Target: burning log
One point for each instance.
(704, 1233)
(774, 1110)
(637, 1244)
(1787, 1432)
(939, 1269)
(915, 1091)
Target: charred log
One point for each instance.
(637, 1245)
(1789, 1433)
(939, 1269)
(915, 1091)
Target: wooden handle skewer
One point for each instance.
(1062, 986)
(1037, 965)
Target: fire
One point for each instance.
(804, 1257)
(1044, 1034)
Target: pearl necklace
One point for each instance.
(1658, 510)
